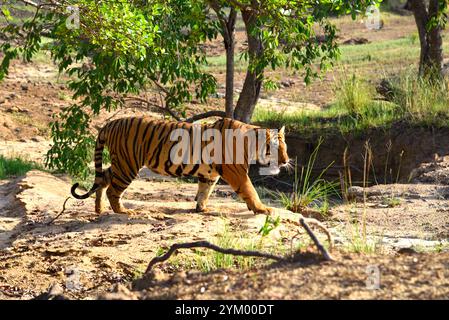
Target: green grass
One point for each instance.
(307, 191)
(418, 102)
(206, 260)
(391, 201)
(15, 166)
(331, 120)
(217, 64)
(211, 260)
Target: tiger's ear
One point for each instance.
(282, 130)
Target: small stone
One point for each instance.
(287, 83)
(56, 290)
(13, 96)
(37, 139)
(24, 87)
(355, 193)
(12, 109)
(120, 292)
(179, 277)
(407, 251)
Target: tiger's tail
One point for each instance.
(99, 174)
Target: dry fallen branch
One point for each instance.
(206, 244)
(60, 213)
(303, 222)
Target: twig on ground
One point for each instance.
(60, 213)
(303, 222)
(206, 244)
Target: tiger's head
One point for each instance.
(276, 139)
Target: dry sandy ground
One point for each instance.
(415, 276)
(86, 254)
(104, 249)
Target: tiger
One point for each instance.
(136, 142)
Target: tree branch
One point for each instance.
(303, 222)
(29, 2)
(206, 244)
(60, 213)
(239, 5)
(154, 105)
(208, 114)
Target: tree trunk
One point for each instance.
(435, 42)
(228, 32)
(229, 42)
(431, 56)
(254, 76)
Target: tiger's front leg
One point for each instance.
(242, 185)
(205, 188)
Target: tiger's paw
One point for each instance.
(265, 210)
(201, 209)
(100, 210)
(129, 212)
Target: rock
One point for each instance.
(55, 292)
(356, 41)
(37, 139)
(355, 193)
(218, 95)
(287, 83)
(445, 70)
(119, 292)
(13, 109)
(8, 124)
(154, 276)
(24, 87)
(13, 96)
(407, 251)
(179, 277)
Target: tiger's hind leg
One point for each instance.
(100, 203)
(205, 188)
(119, 183)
